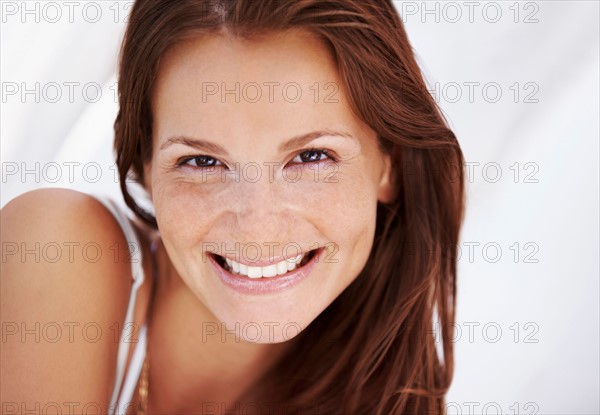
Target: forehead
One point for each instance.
(280, 83)
(228, 54)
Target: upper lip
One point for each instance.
(262, 262)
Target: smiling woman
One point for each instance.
(307, 200)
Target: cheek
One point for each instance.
(185, 216)
(183, 210)
(351, 198)
(346, 213)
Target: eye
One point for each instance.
(312, 156)
(200, 162)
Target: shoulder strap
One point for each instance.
(139, 354)
(137, 273)
(133, 374)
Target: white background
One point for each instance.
(527, 336)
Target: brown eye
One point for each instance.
(201, 161)
(311, 156)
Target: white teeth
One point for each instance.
(254, 272)
(267, 271)
(281, 268)
(243, 269)
(293, 262)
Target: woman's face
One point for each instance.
(258, 159)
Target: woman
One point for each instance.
(307, 197)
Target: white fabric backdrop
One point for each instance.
(519, 82)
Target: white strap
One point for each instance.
(133, 375)
(138, 278)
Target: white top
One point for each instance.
(125, 386)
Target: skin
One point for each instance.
(195, 208)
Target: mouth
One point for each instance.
(268, 278)
(272, 270)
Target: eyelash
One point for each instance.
(184, 161)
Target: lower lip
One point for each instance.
(264, 285)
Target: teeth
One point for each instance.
(282, 268)
(268, 271)
(254, 272)
(243, 269)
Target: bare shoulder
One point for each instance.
(65, 284)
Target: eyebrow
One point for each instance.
(294, 142)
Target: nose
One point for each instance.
(258, 210)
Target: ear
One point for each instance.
(385, 192)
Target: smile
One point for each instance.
(267, 278)
(269, 271)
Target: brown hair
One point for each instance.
(374, 349)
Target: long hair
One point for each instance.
(384, 346)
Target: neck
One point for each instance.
(195, 365)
